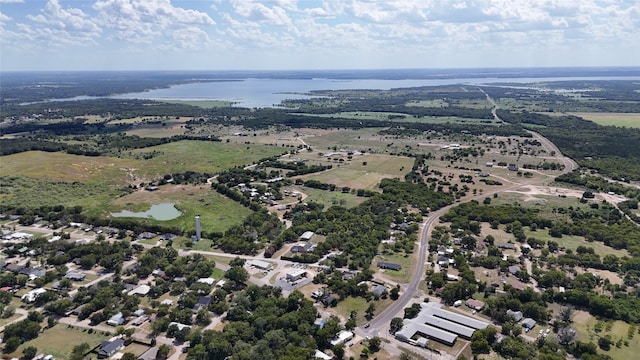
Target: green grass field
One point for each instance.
(202, 156)
(402, 275)
(631, 120)
(60, 340)
(585, 325)
(217, 213)
(572, 242)
(358, 176)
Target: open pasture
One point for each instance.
(65, 167)
(202, 156)
(631, 120)
(357, 175)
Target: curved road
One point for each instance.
(411, 289)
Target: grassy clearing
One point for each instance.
(66, 167)
(217, 213)
(5, 321)
(358, 176)
(585, 325)
(428, 103)
(202, 156)
(572, 242)
(60, 340)
(331, 198)
(631, 120)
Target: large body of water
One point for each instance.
(261, 92)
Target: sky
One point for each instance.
(40, 35)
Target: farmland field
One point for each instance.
(631, 120)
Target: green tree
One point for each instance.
(370, 311)
(29, 352)
(163, 352)
(11, 344)
(79, 350)
(374, 344)
(396, 325)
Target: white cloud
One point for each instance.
(153, 21)
(11, 1)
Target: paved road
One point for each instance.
(381, 321)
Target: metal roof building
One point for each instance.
(440, 325)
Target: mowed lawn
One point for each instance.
(631, 120)
(356, 175)
(60, 340)
(572, 242)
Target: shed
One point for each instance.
(307, 235)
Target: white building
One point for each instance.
(32, 295)
(296, 274)
(342, 337)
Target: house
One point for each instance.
(108, 348)
(160, 273)
(167, 302)
(149, 354)
(221, 283)
(389, 265)
(474, 304)
(516, 315)
(32, 295)
(141, 290)
(483, 174)
(303, 247)
(512, 167)
(14, 268)
(528, 324)
(506, 246)
(180, 326)
(379, 290)
(116, 320)
(140, 320)
(514, 269)
(209, 281)
(32, 273)
(168, 237)
(489, 164)
(75, 276)
(328, 301)
(203, 303)
(320, 355)
(146, 235)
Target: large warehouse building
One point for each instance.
(440, 325)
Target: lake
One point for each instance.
(269, 92)
(162, 212)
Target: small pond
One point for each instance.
(165, 211)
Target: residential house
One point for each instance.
(75, 276)
(203, 303)
(303, 247)
(474, 304)
(110, 347)
(389, 265)
(516, 315)
(514, 269)
(116, 320)
(528, 324)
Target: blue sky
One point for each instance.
(316, 34)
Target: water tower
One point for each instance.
(197, 227)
